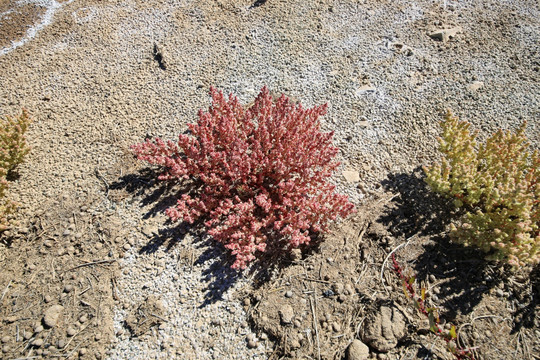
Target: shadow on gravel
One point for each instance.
(215, 258)
(464, 276)
(528, 296)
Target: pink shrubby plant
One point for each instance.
(263, 172)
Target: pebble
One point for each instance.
(48, 298)
(252, 344)
(357, 350)
(61, 343)
(27, 335)
(52, 314)
(5, 339)
(37, 342)
(338, 288)
(351, 176)
(126, 246)
(295, 344)
(71, 331)
(499, 292)
(288, 294)
(336, 327)
(68, 288)
(38, 329)
(286, 314)
(6, 348)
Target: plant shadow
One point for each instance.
(213, 257)
(460, 275)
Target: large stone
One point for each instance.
(52, 314)
(357, 350)
(385, 329)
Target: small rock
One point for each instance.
(351, 176)
(342, 298)
(6, 348)
(38, 329)
(286, 314)
(149, 230)
(83, 319)
(61, 343)
(82, 351)
(357, 350)
(263, 336)
(37, 342)
(52, 315)
(499, 292)
(126, 246)
(297, 323)
(295, 344)
(328, 293)
(71, 331)
(336, 327)
(289, 294)
(27, 335)
(252, 344)
(475, 86)
(5, 339)
(68, 288)
(66, 232)
(364, 89)
(338, 288)
(445, 34)
(247, 302)
(48, 298)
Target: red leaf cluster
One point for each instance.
(263, 172)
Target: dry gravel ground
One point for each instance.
(98, 76)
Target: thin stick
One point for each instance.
(316, 280)
(315, 326)
(159, 317)
(5, 291)
(91, 263)
(388, 256)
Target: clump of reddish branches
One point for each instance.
(262, 173)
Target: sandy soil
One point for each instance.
(98, 76)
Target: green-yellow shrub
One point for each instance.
(13, 148)
(497, 183)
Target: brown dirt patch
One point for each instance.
(15, 23)
(340, 291)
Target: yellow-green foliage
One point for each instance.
(498, 185)
(13, 148)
